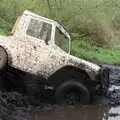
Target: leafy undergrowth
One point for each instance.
(99, 20)
(3, 32)
(88, 51)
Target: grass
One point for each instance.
(88, 51)
(3, 32)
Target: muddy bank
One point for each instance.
(19, 107)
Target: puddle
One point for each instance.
(90, 112)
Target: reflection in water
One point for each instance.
(114, 113)
(91, 112)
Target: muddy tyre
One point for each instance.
(3, 65)
(72, 92)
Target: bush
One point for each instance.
(98, 20)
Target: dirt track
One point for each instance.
(19, 106)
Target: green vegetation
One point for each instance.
(94, 24)
(88, 51)
(2, 32)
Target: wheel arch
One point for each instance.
(69, 71)
(62, 75)
(9, 56)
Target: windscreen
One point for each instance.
(61, 40)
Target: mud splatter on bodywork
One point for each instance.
(34, 56)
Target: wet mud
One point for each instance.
(78, 112)
(112, 97)
(16, 106)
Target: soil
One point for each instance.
(16, 106)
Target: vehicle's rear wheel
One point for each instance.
(3, 65)
(72, 92)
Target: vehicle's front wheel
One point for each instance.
(72, 92)
(3, 65)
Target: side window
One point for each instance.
(39, 29)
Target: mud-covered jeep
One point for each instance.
(40, 49)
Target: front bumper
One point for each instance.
(104, 74)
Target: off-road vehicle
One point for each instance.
(40, 48)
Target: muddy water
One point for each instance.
(78, 112)
(113, 95)
(103, 107)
